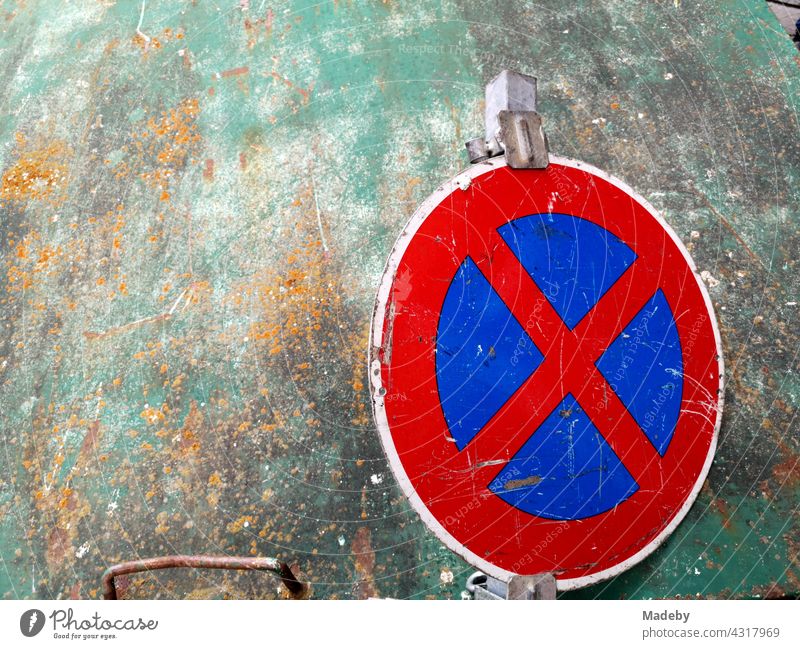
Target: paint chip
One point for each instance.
(709, 279)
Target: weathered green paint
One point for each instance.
(183, 342)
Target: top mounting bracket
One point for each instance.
(513, 127)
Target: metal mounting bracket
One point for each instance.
(542, 586)
(513, 127)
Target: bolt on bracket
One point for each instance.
(513, 127)
(542, 586)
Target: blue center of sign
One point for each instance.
(566, 469)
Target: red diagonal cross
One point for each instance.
(570, 354)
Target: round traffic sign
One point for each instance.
(546, 371)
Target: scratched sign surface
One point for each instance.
(546, 370)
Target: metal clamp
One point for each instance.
(296, 588)
(542, 586)
(513, 127)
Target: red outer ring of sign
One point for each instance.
(442, 483)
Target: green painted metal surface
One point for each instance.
(194, 221)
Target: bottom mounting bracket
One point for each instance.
(542, 586)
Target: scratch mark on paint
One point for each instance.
(522, 482)
(94, 335)
(480, 465)
(727, 225)
(319, 216)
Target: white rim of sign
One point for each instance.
(462, 181)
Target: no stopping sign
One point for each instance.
(546, 371)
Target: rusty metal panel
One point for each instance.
(197, 200)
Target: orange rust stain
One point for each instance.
(153, 415)
(34, 260)
(304, 93)
(146, 45)
(405, 192)
(259, 27)
(91, 441)
(294, 303)
(722, 507)
(364, 558)
(297, 305)
(241, 523)
(58, 548)
(787, 473)
(155, 43)
(162, 146)
(40, 173)
(234, 72)
(192, 426)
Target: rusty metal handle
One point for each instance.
(295, 587)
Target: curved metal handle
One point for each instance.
(295, 587)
